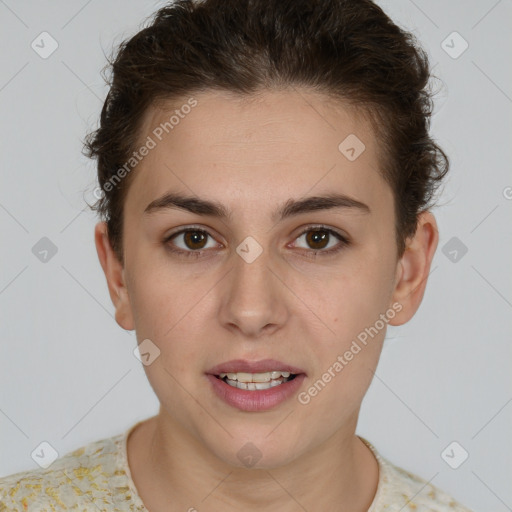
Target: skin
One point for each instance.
(252, 155)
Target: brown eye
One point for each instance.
(190, 242)
(322, 241)
(195, 239)
(318, 238)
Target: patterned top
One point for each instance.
(98, 472)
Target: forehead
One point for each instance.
(257, 151)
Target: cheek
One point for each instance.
(168, 309)
(162, 297)
(166, 315)
(344, 362)
(351, 303)
(354, 298)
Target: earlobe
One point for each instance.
(114, 274)
(414, 267)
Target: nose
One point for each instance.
(254, 298)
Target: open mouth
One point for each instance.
(258, 391)
(256, 381)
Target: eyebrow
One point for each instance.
(289, 209)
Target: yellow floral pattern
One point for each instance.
(97, 477)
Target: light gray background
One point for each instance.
(68, 374)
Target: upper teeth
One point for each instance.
(254, 377)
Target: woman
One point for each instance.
(266, 175)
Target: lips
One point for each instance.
(262, 366)
(255, 400)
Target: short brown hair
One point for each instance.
(347, 49)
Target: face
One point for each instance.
(298, 285)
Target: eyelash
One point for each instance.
(344, 242)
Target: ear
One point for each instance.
(414, 267)
(114, 273)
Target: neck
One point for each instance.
(170, 467)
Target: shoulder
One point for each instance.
(75, 480)
(399, 489)
(418, 494)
